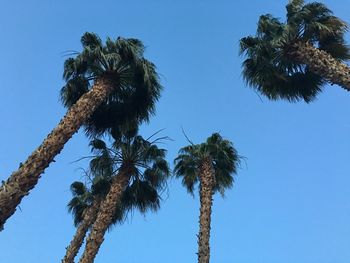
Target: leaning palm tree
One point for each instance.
(141, 172)
(213, 165)
(107, 85)
(86, 202)
(294, 59)
(84, 206)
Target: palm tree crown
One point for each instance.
(273, 68)
(150, 171)
(83, 198)
(224, 159)
(145, 162)
(134, 79)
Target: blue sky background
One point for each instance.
(290, 201)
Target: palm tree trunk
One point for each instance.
(26, 177)
(321, 63)
(105, 217)
(88, 219)
(206, 200)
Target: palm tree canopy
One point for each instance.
(83, 198)
(224, 157)
(145, 162)
(269, 66)
(147, 166)
(134, 79)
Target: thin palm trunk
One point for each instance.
(88, 219)
(206, 200)
(321, 63)
(26, 177)
(105, 217)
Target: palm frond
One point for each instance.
(91, 41)
(78, 188)
(82, 199)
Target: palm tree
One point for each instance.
(213, 165)
(293, 60)
(107, 85)
(84, 207)
(141, 172)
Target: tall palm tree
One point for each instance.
(141, 172)
(107, 85)
(292, 60)
(213, 165)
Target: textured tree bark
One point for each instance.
(88, 219)
(105, 217)
(26, 177)
(321, 63)
(206, 179)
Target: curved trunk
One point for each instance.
(88, 219)
(206, 179)
(321, 63)
(104, 217)
(26, 177)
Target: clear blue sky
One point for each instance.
(290, 202)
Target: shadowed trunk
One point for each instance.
(206, 179)
(105, 217)
(321, 63)
(89, 218)
(26, 177)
